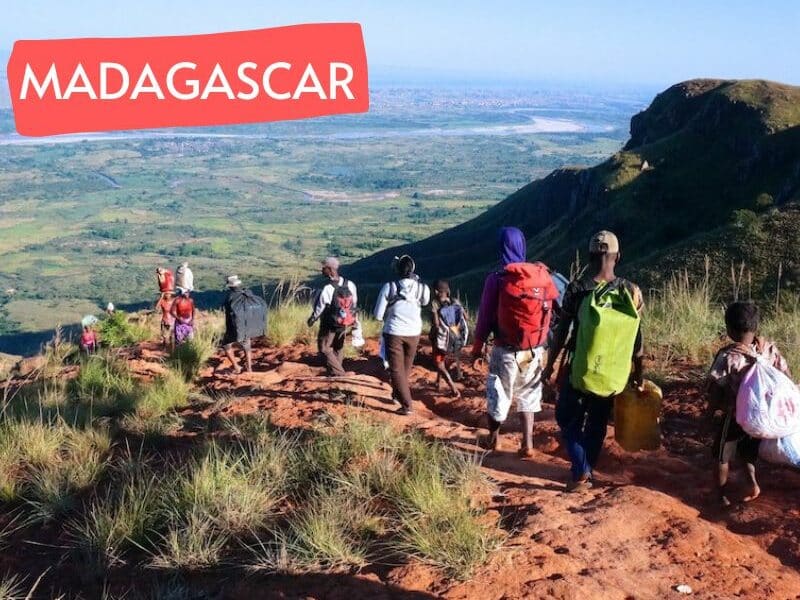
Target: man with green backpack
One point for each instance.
(600, 331)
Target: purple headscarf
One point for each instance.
(512, 246)
(511, 242)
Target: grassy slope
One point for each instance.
(715, 147)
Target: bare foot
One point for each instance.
(525, 452)
(753, 495)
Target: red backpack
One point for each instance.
(525, 305)
(341, 311)
(166, 283)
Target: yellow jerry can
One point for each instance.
(637, 414)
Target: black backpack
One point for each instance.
(247, 315)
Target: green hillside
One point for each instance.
(721, 178)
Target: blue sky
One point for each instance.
(655, 42)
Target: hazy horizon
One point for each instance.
(619, 43)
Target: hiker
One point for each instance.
(603, 314)
(399, 306)
(335, 308)
(516, 306)
(448, 334)
(183, 311)
(727, 371)
(110, 309)
(164, 304)
(89, 341)
(245, 318)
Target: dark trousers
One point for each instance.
(330, 343)
(400, 353)
(583, 419)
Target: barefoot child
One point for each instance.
(724, 378)
(164, 304)
(448, 333)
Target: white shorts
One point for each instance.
(514, 376)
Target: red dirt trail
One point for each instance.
(650, 523)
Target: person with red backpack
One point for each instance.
(516, 307)
(335, 308)
(183, 312)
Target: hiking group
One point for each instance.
(581, 337)
(534, 329)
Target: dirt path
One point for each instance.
(648, 526)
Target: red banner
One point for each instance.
(105, 84)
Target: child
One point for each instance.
(164, 304)
(727, 371)
(448, 333)
(89, 341)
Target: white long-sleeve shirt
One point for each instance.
(325, 296)
(402, 316)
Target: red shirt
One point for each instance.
(183, 308)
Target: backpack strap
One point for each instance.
(394, 293)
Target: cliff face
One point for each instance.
(712, 147)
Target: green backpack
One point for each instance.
(608, 324)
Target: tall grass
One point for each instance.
(289, 312)
(105, 386)
(46, 463)
(192, 543)
(332, 500)
(329, 532)
(783, 327)
(684, 322)
(168, 392)
(113, 523)
(222, 487)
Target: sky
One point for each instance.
(622, 42)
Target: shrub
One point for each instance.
(117, 330)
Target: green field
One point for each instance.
(87, 222)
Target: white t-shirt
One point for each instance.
(400, 304)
